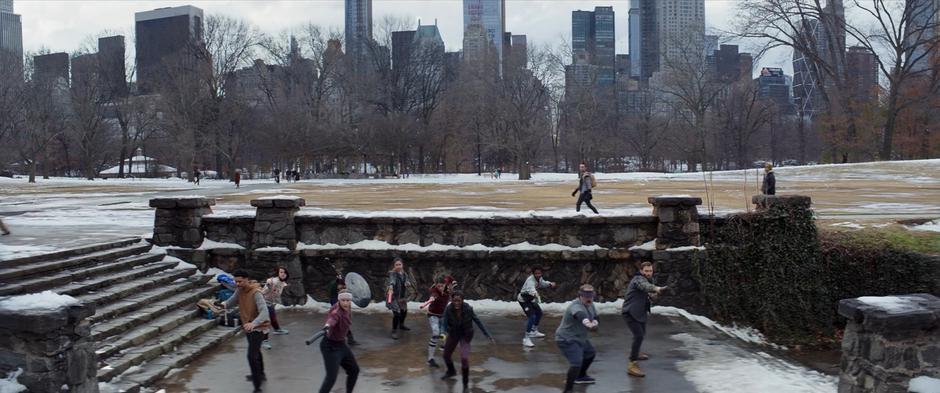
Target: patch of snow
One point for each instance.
(11, 251)
(42, 301)
(933, 226)
(746, 334)
(209, 244)
(848, 224)
(292, 197)
(382, 245)
(180, 264)
(648, 246)
(714, 366)
(10, 384)
(272, 248)
(686, 248)
(891, 304)
(214, 271)
(924, 384)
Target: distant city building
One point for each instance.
(593, 37)
(730, 65)
(580, 75)
(774, 85)
(11, 40)
(681, 28)
(649, 40)
(168, 39)
(862, 74)
(85, 71)
(402, 42)
(516, 50)
(52, 67)
(636, 55)
(112, 65)
(359, 32)
(484, 27)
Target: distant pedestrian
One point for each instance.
(335, 352)
(3, 228)
(459, 319)
(396, 300)
(499, 172)
(586, 182)
(529, 299)
(769, 187)
(637, 302)
(272, 290)
(296, 176)
(277, 175)
(440, 295)
(237, 178)
(572, 337)
(255, 321)
(196, 176)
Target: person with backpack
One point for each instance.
(586, 182)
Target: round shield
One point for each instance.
(359, 288)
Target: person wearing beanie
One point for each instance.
(572, 337)
(335, 352)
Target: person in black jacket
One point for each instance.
(636, 305)
(769, 187)
(458, 324)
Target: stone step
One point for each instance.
(151, 313)
(144, 296)
(22, 271)
(157, 369)
(111, 280)
(154, 348)
(64, 254)
(86, 277)
(140, 334)
(123, 290)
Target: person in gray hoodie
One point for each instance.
(573, 340)
(637, 302)
(586, 182)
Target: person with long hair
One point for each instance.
(395, 296)
(335, 352)
(273, 287)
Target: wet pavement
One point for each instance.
(399, 366)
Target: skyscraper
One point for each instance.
(11, 39)
(593, 40)
(582, 33)
(774, 85)
(402, 42)
(112, 67)
(52, 67)
(636, 55)
(167, 38)
(680, 26)
(862, 74)
(484, 29)
(644, 48)
(358, 32)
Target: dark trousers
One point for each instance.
(335, 355)
(273, 316)
(450, 345)
(398, 318)
(585, 198)
(533, 315)
(580, 355)
(639, 330)
(255, 361)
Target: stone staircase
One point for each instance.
(146, 323)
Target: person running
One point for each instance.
(440, 296)
(529, 299)
(335, 352)
(586, 182)
(572, 337)
(272, 290)
(395, 296)
(255, 321)
(636, 306)
(458, 325)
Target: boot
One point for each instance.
(451, 372)
(634, 370)
(466, 376)
(572, 375)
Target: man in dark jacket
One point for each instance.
(459, 319)
(769, 187)
(636, 306)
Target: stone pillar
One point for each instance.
(767, 203)
(52, 347)
(678, 221)
(274, 222)
(178, 221)
(888, 341)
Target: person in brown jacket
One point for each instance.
(237, 178)
(253, 312)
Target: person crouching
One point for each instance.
(335, 352)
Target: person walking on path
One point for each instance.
(237, 178)
(277, 175)
(440, 296)
(255, 322)
(396, 300)
(636, 306)
(572, 337)
(335, 352)
(769, 187)
(529, 299)
(196, 176)
(459, 319)
(3, 228)
(586, 182)
(272, 290)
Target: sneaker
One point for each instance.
(585, 380)
(432, 363)
(527, 342)
(449, 374)
(281, 331)
(266, 344)
(535, 334)
(394, 335)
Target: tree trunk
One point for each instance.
(887, 137)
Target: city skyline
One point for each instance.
(64, 25)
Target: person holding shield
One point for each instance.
(395, 296)
(335, 352)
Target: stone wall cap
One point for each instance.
(285, 201)
(674, 200)
(920, 311)
(44, 320)
(190, 202)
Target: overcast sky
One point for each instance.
(62, 25)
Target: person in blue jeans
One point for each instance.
(572, 337)
(529, 299)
